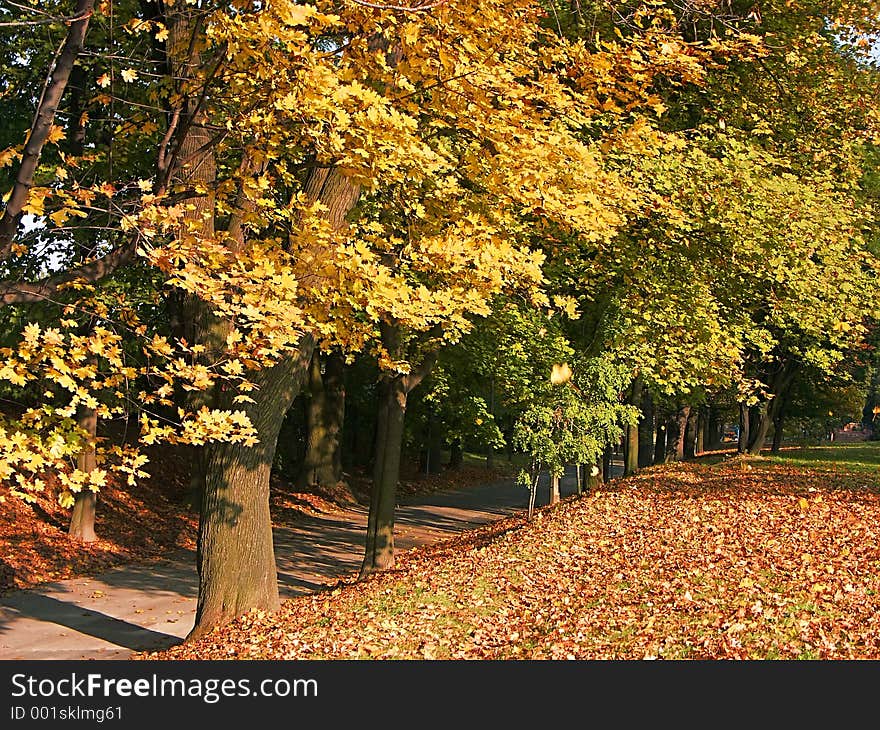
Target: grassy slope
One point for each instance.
(759, 558)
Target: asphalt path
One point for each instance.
(148, 606)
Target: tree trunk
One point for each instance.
(631, 452)
(236, 558)
(702, 428)
(594, 477)
(82, 520)
(660, 439)
(322, 464)
(681, 422)
(777, 432)
(646, 431)
(607, 464)
(379, 544)
(554, 489)
(456, 455)
(759, 428)
(691, 433)
(743, 443)
(379, 549)
(715, 429)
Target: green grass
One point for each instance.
(861, 456)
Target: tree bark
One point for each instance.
(646, 431)
(394, 391)
(691, 433)
(715, 429)
(554, 489)
(607, 464)
(322, 463)
(660, 439)
(681, 422)
(82, 519)
(456, 455)
(702, 428)
(235, 556)
(631, 453)
(743, 443)
(47, 107)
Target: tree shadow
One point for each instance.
(84, 620)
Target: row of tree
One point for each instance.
(514, 223)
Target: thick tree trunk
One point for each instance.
(82, 520)
(594, 476)
(646, 431)
(322, 464)
(236, 558)
(778, 423)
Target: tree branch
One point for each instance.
(42, 124)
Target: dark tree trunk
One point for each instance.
(394, 391)
(456, 455)
(660, 439)
(702, 429)
(594, 476)
(379, 549)
(778, 422)
(743, 443)
(691, 432)
(631, 451)
(82, 520)
(325, 412)
(780, 385)
(431, 457)
(715, 429)
(607, 464)
(646, 431)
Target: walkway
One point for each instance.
(148, 606)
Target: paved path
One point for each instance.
(148, 606)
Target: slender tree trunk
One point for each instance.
(631, 453)
(554, 489)
(681, 422)
(607, 464)
(660, 439)
(456, 455)
(759, 428)
(701, 426)
(82, 520)
(743, 444)
(646, 431)
(394, 391)
(379, 550)
(691, 433)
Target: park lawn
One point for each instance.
(743, 558)
(858, 456)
